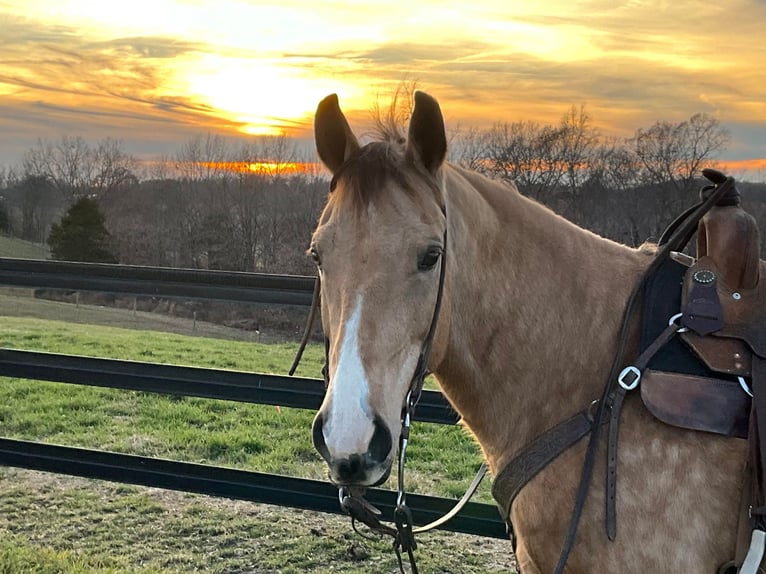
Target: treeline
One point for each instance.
(626, 189)
(248, 208)
(212, 206)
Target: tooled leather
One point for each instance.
(535, 457)
(744, 314)
(728, 245)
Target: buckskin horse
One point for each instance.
(519, 314)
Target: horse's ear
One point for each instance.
(427, 141)
(334, 139)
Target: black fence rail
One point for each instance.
(475, 518)
(158, 281)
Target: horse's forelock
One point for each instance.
(367, 172)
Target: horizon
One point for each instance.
(157, 73)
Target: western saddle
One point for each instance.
(699, 381)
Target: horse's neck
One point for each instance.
(535, 303)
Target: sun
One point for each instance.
(263, 96)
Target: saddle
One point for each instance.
(698, 385)
(713, 377)
(697, 381)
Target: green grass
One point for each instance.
(99, 527)
(256, 437)
(77, 526)
(18, 248)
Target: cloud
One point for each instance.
(55, 82)
(630, 62)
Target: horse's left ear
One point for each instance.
(427, 141)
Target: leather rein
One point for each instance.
(351, 498)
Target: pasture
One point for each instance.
(52, 523)
(14, 247)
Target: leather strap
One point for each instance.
(616, 399)
(315, 299)
(404, 533)
(743, 525)
(703, 313)
(534, 457)
(758, 443)
(682, 232)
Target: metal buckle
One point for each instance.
(630, 369)
(592, 410)
(744, 386)
(673, 321)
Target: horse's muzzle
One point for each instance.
(368, 468)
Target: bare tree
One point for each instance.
(37, 206)
(579, 142)
(469, 149)
(243, 198)
(113, 167)
(613, 166)
(673, 153)
(529, 154)
(202, 158)
(68, 164)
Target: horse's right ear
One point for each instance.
(334, 139)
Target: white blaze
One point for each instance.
(349, 426)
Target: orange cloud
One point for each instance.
(264, 167)
(746, 164)
(159, 70)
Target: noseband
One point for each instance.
(351, 498)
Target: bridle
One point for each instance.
(351, 498)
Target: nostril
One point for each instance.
(351, 469)
(317, 437)
(381, 442)
(351, 465)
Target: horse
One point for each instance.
(530, 314)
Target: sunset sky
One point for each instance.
(156, 72)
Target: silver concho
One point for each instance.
(704, 276)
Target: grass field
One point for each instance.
(12, 247)
(51, 523)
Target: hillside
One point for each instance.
(12, 247)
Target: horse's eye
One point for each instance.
(315, 255)
(428, 259)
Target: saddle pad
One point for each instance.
(697, 403)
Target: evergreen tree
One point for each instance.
(81, 235)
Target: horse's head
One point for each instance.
(378, 247)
